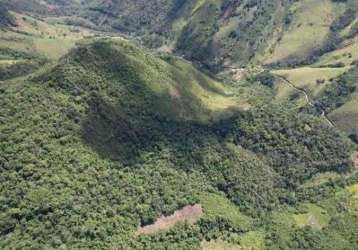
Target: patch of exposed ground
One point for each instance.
(313, 222)
(174, 93)
(355, 160)
(238, 73)
(189, 213)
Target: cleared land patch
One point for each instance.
(312, 80)
(189, 213)
(355, 160)
(346, 54)
(313, 216)
(36, 36)
(219, 245)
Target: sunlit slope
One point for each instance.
(308, 30)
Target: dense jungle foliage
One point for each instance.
(108, 124)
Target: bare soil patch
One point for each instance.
(238, 73)
(189, 213)
(355, 160)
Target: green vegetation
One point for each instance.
(307, 30)
(217, 207)
(312, 216)
(121, 148)
(100, 136)
(312, 80)
(252, 240)
(339, 99)
(219, 245)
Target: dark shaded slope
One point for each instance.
(6, 19)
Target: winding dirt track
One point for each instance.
(308, 100)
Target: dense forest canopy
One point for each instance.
(177, 124)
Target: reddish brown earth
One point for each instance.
(189, 213)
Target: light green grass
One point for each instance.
(37, 27)
(308, 30)
(51, 40)
(219, 245)
(346, 54)
(353, 192)
(313, 216)
(320, 179)
(306, 78)
(53, 48)
(217, 206)
(253, 240)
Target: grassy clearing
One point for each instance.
(285, 93)
(320, 179)
(37, 36)
(346, 54)
(253, 240)
(217, 206)
(39, 27)
(313, 80)
(53, 48)
(219, 245)
(308, 30)
(353, 192)
(312, 216)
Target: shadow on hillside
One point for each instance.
(141, 121)
(124, 135)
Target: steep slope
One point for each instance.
(113, 137)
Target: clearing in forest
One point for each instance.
(188, 213)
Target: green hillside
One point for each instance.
(178, 124)
(113, 136)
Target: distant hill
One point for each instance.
(220, 32)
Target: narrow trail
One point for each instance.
(308, 100)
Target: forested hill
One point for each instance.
(178, 124)
(102, 143)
